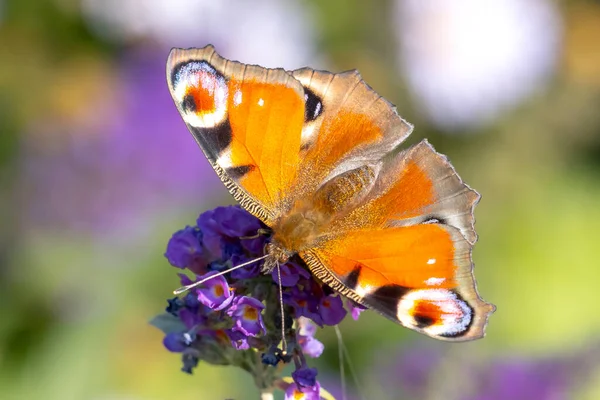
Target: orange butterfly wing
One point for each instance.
(248, 121)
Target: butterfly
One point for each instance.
(316, 156)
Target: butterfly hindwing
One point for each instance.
(405, 251)
(419, 185)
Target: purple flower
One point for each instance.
(247, 272)
(177, 342)
(185, 247)
(305, 337)
(305, 298)
(226, 311)
(247, 317)
(355, 308)
(305, 377)
(332, 310)
(226, 223)
(310, 346)
(238, 339)
(290, 274)
(192, 318)
(294, 392)
(215, 292)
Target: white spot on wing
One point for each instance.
(261, 102)
(224, 160)
(308, 131)
(431, 261)
(363, 290)
(237, 98)
(434, 281)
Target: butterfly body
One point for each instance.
(316, 157)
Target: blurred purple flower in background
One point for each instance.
(126, 158)
(466, 61)
(436, 372)
(281, 39)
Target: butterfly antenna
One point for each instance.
(201, 281)
(344, 355)
(283, 341)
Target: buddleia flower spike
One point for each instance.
(225, 315)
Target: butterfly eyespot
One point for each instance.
(201, 93)
(438, 312)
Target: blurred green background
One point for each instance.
(97, 171)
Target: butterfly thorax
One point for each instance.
(300, 228)
(309, 220)
(293, 232)
(291, 235)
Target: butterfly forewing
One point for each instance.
(247, 119)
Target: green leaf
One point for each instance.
(168, 323)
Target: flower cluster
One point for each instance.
(230, 318)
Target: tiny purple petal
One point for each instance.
(238, 339)
(231, 221)
(355, 308)
(290, 274)
(185, 280)
(256, 245)
(332, 310)
(305, 377)
(177, 342)
(215, 293)
(191, 318)
(293, 392)
(310, 346)
(305, 302)
(184, 247)
(306, 327)
(247, 272)
(237, 222)
(231, 248)
(247, 317)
